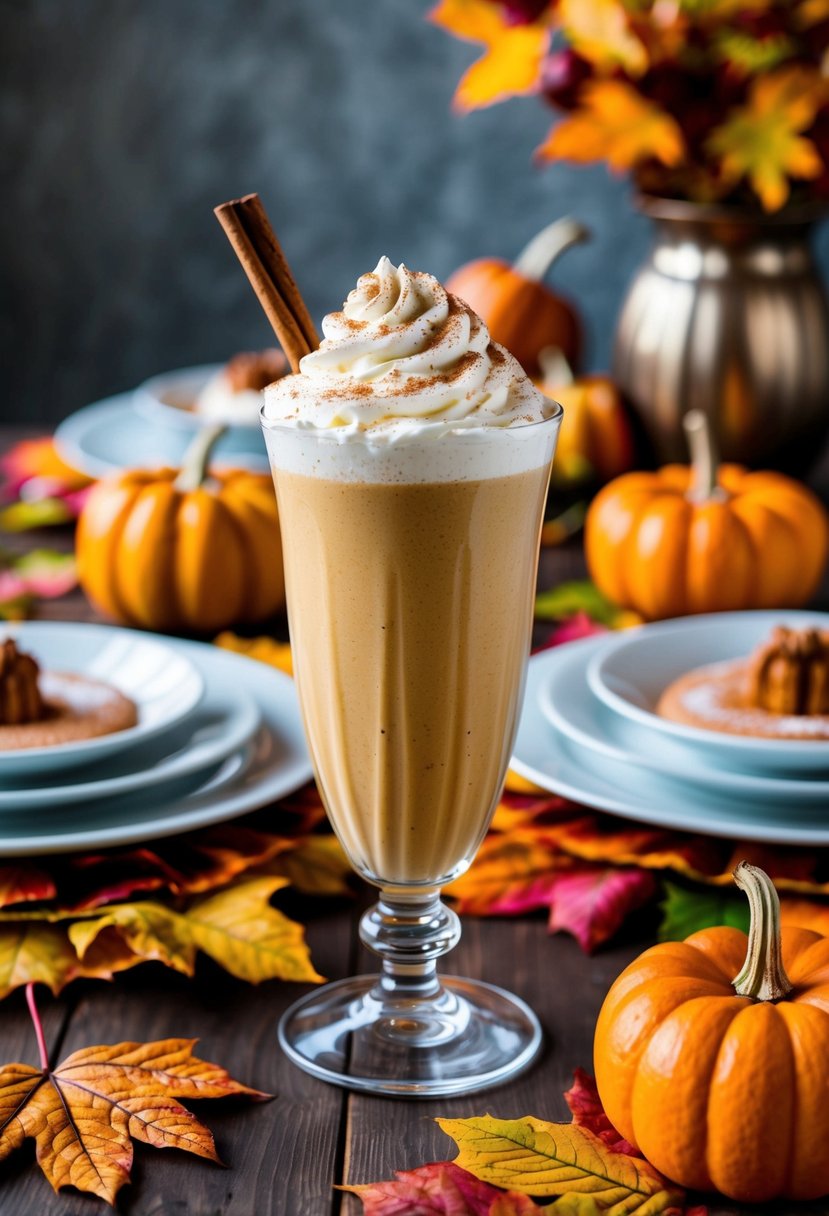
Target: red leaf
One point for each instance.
(439, 1189)
(586, 1106)
(592, 904)
(575, 627)
(23, 883)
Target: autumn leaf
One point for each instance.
(538, 1158)
(39, 951)
(265, 649)
(84, 1114)
(762, 140)
(593, 904)
(686, 910)
(600, 32)
(615, 123)
(587, 1111)
(23, 883)
(317, 866)
(511, 63)
(439, 1189)
(236, 926)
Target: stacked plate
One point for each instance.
(217, 735)
(152, 425)
(589, 731)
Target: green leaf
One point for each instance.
(569, 598)
(687, 909)
(20, 516)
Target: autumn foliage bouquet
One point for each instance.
(706, 100)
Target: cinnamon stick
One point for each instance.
(254, 241)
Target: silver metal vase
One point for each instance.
(728, 315)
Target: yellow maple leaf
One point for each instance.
(537, 1158)
(600, 32)
(762, 140)
(265, 649)
(511, 63)
(617, 125)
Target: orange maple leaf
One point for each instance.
(615, 124)
(600, 31)
(84, 1114)
(762, 140)
(511, 63)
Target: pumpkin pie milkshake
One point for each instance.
(411, 457)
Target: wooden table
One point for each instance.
(286, 1157)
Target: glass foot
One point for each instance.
(355, 1033)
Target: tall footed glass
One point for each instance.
(410, 572)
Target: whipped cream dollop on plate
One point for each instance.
(405, 357)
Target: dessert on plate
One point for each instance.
(45, 709)
(234, 394)
(781, 691)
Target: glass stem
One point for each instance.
(409, 932)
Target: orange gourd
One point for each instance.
(595, 442)
(187, 550)
(518, 309)
(721, 1082)
(705, 538)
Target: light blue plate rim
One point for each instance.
(279, 766)
(111, 435)
(769, 752)
(540, 756)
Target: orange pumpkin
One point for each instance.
(722, 1082)
(518, 309)
(705, 538)
(595, 442)
(187, 550)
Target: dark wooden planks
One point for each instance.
(282, 1155)
(563, 986)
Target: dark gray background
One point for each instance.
(123, 122)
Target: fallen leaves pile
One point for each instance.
(210, 891)
(84, 1114)
(580, 1168)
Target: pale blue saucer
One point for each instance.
(629, 674)
(561, 765)
(116, 434)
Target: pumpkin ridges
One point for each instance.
(263, 545)
(143, 558)
(657, 555)
(720, 558)
(624, 1028)
(97, 539)
(208, 592)
(748, 1151)
(724, 948)
(768, 527)
(808, 1174)
(672, 1076)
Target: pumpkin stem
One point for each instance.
(763, 976)
(556, 372)
(705, 459)
(197, 458)
(537, 258)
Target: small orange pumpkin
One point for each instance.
(705, 538)
(518, 309)
(720, 1082)
(187, 550)
(595, 442)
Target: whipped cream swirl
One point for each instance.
(405, 356)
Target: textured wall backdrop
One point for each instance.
(123, 122)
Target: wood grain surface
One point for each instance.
(285, 1158)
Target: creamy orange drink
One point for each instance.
(411, 485)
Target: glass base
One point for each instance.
(468, 1037)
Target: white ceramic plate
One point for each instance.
(224, 721)
(278, 765)
(632, 671)
(570, 707)
(113, 434)
(164, 684)
(544, 756)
